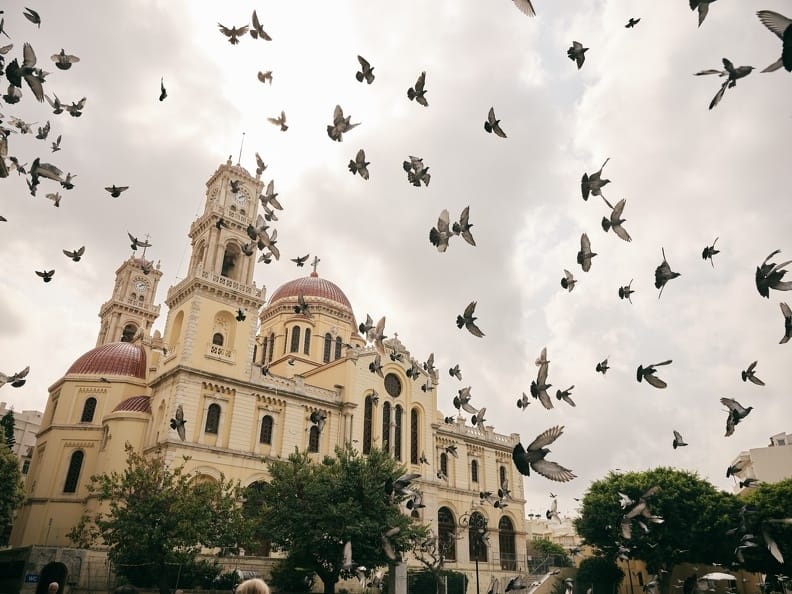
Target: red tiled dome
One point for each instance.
(311, 286)
(135, 404)
(115, 358)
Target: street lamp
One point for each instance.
(478, 523)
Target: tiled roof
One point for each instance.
(115, 358)
(311, 286)
(135, 404)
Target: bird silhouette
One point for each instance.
(585, 254)
(233, 33)
(593, 183)
(577, 53)
(279, 121)
(648, 373)
(417, 172)
(602, 366)
(265, 77)
(300, 260)
(534, 457)
(240, 315)
(340, 125)
(782, 27)
(785, 309)
(440, 234)
(115, 191)
(177, 422)
(737, 412)
(750, 375)
(631, 23)
(769, 275)
(523, 401)
(663, 274)
(565, 395)
(679, 441)
(257, 31)
(46, 275)
(32, 16)
(493, 125)
(455, 371)
(136, 243)
(163, 92)
(468, 320)
(568, 282)
(366, 71)
(16, 380)
(731, 73)
(615, 221)
(462, 227)
(418, 92)
(709, 251)
(75, 254)
(359, 164)
(703, 8)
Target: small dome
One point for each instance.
(135, 404)
(115, 358)
(311, 286)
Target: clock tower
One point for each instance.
(131, 307)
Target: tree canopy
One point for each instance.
(12, 493)
(767, 515)
(159, 516)
(694, 518)
(312, 509)
(7, 423)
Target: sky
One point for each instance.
(689, 174)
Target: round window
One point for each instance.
(393, 385)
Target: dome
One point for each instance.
(311, 286)
(115, 358)
(134, 404)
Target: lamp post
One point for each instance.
(478, 523)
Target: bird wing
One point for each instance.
(772, 546)
(525, 7)
(541, 376)
(468, 313)
(777, 23)
(719, 95)
(678, 436)
(491, 116)
(419, 84)
(473, 329)
(552, 470)
(585, 244)
(542, 359)
(618, 209)
(655, 381)
(546, 438)
(786, 310)
(545, 399)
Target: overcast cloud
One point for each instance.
(689, 174)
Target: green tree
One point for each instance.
(598, 573)
(767, 514)
(546, 548)
(159, 516)
(695, 519)
(311, 509)
(12, 492)
(7, 423)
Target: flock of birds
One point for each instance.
(533, 457)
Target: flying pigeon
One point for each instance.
(301, 307)
(265, 77)
(709, 252)
(416, 171)
(163, 92)
(631, 23)
(439, 235)
(679, 441)
(46, 275)
(366, 71)
(456, 372)
(663, 274)
(468, 320)
(300, 260)
(602, 367)
(648, 373)
(565, 395)
(418, 93)
(17, 380)
(136, 243)
(64, 61)
(178, 422)
(626, 290)
(737, 412)
(568, 282)
(785, 309)
(279, 121)
(703, 8)
(340, 125)
(585, 254)
(493, 125)
(75, 254)
(768, 276)
(533, 458)
(732, 74)
(240, 315)
(56, 145)
(32, 16)
(615, 221)
(115, 191)
(234, 33)
(553, 511)
(593, 183)
(749, 375)
(359, 165)
(782, 27)
(577, 53)
(463, 226)
(523, 401)
(539, 386)
(257, 31)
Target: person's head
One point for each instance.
(53, 588)
(253, 586)
(126, 589)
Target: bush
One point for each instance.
(189, 575)
(424, 581)
(288, 577)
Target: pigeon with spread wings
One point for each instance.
(468, 320)
(782, 27)
(178, 422)
(769, 275)
(648, 373)
(366, 71)
(593, 183)
(534, 457)
(233, 33)
(615, 220)
(417, 93)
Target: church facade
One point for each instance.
(248, 372)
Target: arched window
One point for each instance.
(128, 333)
(414, 436)
(271, 347)
(397, 434)
(386, 420)
(313, 439)
(266, 430)
(477, 546)
(295, 339)
(230, 258)
(73, 474)
(307, 342)
(328, 342)
(212, 419)
(88, 410)
(368, 413)
(444, 463)
(217, 339)
(446, 535)
(502, 475)
(474, 471)
(338, 343)
(508, 551)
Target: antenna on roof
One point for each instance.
(241, 144)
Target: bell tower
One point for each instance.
(213, 312)
(131, 308)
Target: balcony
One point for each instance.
(220, 353)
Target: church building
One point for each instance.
(248, 371)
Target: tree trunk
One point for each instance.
(162, 580)
(329, 582)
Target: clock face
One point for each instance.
(241, 197)
(141, 286)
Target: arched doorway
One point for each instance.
(52, 572)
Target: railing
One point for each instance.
(219, 352)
